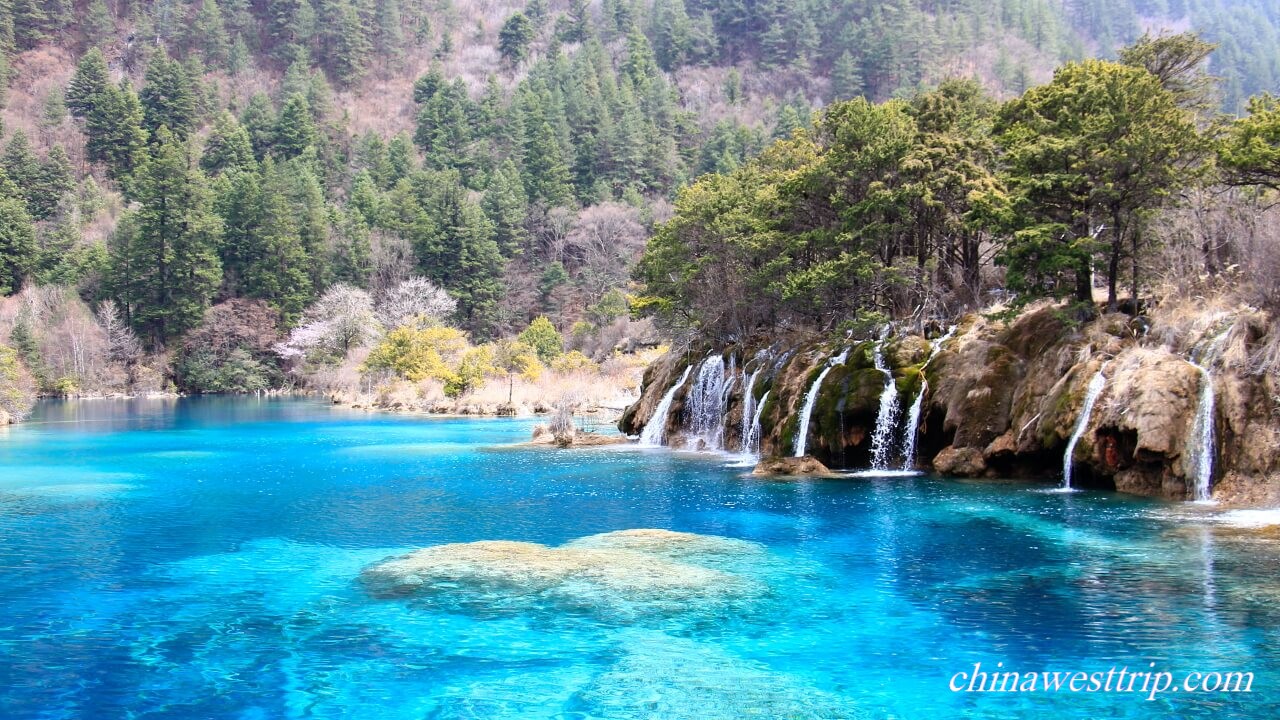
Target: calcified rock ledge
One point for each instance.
(1002, 398)
(620, 574)
(806, 466)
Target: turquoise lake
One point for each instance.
(201, 558)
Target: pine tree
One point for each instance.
(351, 254)
(228, 146)
(277, 264)
(116, 137)
(547, 178)
(295, 130)
(505, 205)
(347, 38)
(88, 84)
(578, 27)
(22, 167)
(514, 39)
(167, 270)
(99, 24)
(31, 23)
(17, 244)
(208, 34)
(846, 78)
(168, 97)
(259, 120)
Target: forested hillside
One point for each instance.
(164, 158)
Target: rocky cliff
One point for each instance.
(1002, 398)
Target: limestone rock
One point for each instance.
(960, 462)
(617, 575)
(791, 466)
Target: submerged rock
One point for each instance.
(542, 435)
(663, 676)
(789, 466)
(623, 574)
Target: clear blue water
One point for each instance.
(199, 559)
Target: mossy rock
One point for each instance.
(906, 351)
(910, 380)
(1032, 333)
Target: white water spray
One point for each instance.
(802, 433)
(752, 447)
(1200, 446)
(749, 410)
(887, 415)
(704, 408)
(1096, 384)
(655, 431)
(912, 431)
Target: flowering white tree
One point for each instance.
(342, 319)
(415, 299)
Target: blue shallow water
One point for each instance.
(199, 559)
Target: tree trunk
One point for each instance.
(1084, 281)
(1113, 274)
(1134, 260)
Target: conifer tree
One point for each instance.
(18, 248)
(505, 205)
(295, 130)
(208, 34)
(116, 137)
(167, 268)
(228, 146)
(259, 120)
(514, 39)
(88, 84)
(846, 78)
(168, 97)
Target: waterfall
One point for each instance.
(749, 410)
(912, 431)
(802, 433)
(887, 415)
(913, 427)
(1082, 423)
(705, 405)
(753, 436)
(655, 431)
(1200, 447)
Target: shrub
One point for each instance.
(418, 354)
(17, 387)
(574, 361)
(543, 337)
(231, 350)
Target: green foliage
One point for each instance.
(514, 39)
(1249, 152)
(164, 264)
(17, 244)
(17, 389)
(168, 97)
(230, 351)
(543, 337)
(418, 354)
(1089, 155)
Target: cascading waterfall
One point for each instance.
(749, 410)
(705, 407)
(887, 415)
(655, 431)
(752, 446)
(1201, 441)
(802, 433)
(1096, 384)
(912, 430)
